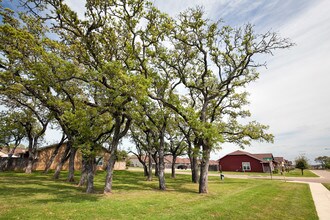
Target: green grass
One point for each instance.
(37, 196)
(327, 185)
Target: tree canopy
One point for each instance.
(302, 163)
(126, 62)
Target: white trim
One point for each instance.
(246, 164)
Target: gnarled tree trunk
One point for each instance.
(51, 159)
(154, 156)
(161, 176)
(194, 169)
(32, 154)
(149, 167)
(64, 158)
(83, 176)
(90, 174)
(173, 166)
(108, 179)
(71, 164)
(203, 180)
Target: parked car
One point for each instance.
(182, 167)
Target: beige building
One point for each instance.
(45, 153)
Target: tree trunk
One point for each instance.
(149, 168)
(71, 164)
(173, 166)
(83, 172)
(154, 156)
(114, 145)
(51, 159)
(64, 158)
(32, 152)
(161, 176)
(90, 175)
(194, 168)
(203, 180)
(28, 168)
(108, 179)
(145, 170)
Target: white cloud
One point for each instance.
(292, 94)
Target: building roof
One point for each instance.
(3, 154)
(18, 150)
(260, 157)
(213, 162)
(181, 160)
(264, 156)
(279, 159)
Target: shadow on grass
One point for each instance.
(49, 190)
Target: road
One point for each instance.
(324, 177)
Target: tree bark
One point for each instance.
(109, 177)
(161, 176)
(71, 164)
(154, 156)
(83, 176)
(51, 159)
(64, 158)
(145, 170)
(203, 180)
(149, 168)
(194, 169)
(90, 175)
(194, 166)
(173, 166)
(32, 151)
(114, 145)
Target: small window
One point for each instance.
(246, 166)
(99, 161)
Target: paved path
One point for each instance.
(321, 197)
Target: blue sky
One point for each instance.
(292, 94)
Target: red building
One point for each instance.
(242, 161)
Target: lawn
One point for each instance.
(39, 197)
(327, 185)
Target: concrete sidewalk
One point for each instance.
(321, 197)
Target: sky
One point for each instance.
(292, 93)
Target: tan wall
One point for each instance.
(120, 165)
(45, 154)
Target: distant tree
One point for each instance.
(12, 133)
(324, 161)
(177, 145)
(302, 163)
(121, 155)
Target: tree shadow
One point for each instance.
(123, 181)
